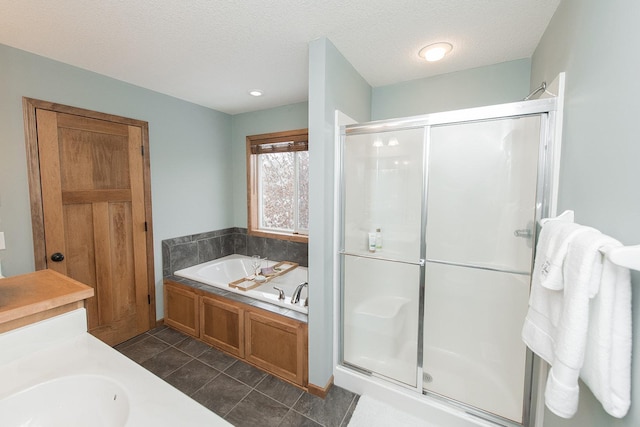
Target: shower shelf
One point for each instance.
(625, 256)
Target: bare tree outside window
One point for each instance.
(279, 193)
(278, 184)
(303, 190)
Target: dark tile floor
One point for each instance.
(238, 392)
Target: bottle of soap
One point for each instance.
(372, 242)
(378, 239)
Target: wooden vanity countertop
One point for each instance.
(24, 298)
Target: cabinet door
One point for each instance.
(277, 345)
(222, 325)
(181, 309)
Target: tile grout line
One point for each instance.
(307, 417)
(239, 401)
(348, 407)
(300, 413)
(290, 408)
(203, 385)
(192, 359)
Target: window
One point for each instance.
(278, 185)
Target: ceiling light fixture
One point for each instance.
(256, 92)
(435, 52)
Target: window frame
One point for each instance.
(300, 139)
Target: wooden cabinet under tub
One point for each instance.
(267, 340)
(181, 309)
(222, 324)
(276, 344)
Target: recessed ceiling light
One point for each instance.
(255, 92)
(435, 52)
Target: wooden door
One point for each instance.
(95, 213)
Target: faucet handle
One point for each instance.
(281, 295)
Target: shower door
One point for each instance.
(440, 306)
(383, 186)
(481, 211)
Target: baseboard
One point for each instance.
(320, 391)
(160, 322)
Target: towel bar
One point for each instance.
(626, 256)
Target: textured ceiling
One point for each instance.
(211, 52)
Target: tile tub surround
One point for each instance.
(236, 391)
(185, 251)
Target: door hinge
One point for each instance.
(149, 298)
(142, 150)
(145, 227)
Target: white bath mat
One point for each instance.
(373, 413)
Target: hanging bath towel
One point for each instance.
(547, 283)
(581, 271)
(607, 364)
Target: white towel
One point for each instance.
(547, 281)
(607, 364)
(583, 327)
(551, 251)
(582, 272)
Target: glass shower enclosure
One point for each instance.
(438, 217)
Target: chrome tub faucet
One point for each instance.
(296, 294)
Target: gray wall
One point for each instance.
(189, 146)
(288, 117)
(333, 84)
(596, 43)
(493, 84)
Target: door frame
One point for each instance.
(29, 106)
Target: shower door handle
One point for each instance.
(524, 233)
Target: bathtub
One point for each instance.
(222, 271)
(54, 373)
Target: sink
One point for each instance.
(70, 401)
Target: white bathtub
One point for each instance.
(222, 271)
(54, 373)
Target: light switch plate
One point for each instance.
(2, 240)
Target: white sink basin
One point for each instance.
(70, 401)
